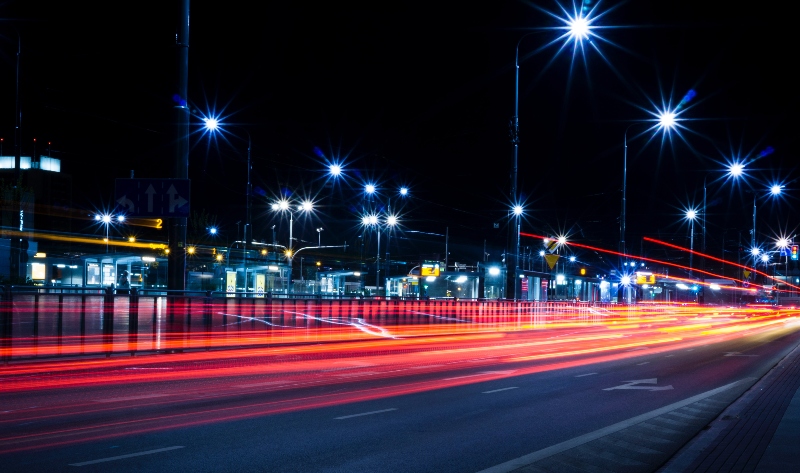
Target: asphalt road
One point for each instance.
(528, 401)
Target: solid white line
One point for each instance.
(366, 413)
(498, 390)
(582, 375)
(130, 455)
(130, 398)
(524, 460)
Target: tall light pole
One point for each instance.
(373, 220)
(691, 215)
(213, 125)
(578, 28)
(285, 206)
(106, 220)
(735, 170)
(774, 191)
(665, 122)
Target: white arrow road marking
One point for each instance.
(175, 200)
(150, 192)
(735, 353)
(632, 385)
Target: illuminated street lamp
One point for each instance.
(665, 121)
(107, 219)
(284, 206)
(212, 125)
(774, 191)
(691, 215)
(373, 220)
(578, 27)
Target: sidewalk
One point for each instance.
(760, 432)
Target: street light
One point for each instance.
(213, 125)
(319, 236)
(666, 120)
(106, 219)
(774, 191)
(578, 28)
(691, 215)
(284, 206)
(735, 170)
(372, 220)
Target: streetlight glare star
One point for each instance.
(578, 28)
(391, 220)
(666, 119)
(518, 210)
(736, 169)
(776, 189)
(369, 188)
(691, 214)
(335, 170)
(211, 123)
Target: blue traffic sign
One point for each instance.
(161, 198)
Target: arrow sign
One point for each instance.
(156, 198)
(150, 191)
(633, 385)
(126, 203)
(175, 200)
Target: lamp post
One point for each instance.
(106, 219)
(774, 191)
(578, 29)
(213, 125)
(735, 170)
(319, 236)
(691, 215)
(285, 206)
(666, 121)
(373, 220)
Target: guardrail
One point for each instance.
(68, 321)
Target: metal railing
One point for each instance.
(43, 322)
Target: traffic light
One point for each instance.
(794, 252)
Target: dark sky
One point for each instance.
(421, 94)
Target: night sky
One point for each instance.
(421, 94)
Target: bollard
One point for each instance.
(133, 320)
(207, 317)
(6, 313)
(108, 320)
(60, 321)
